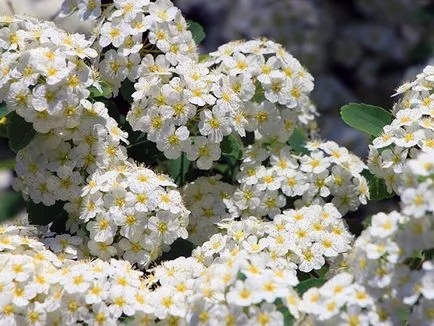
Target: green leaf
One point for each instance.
(203, 57)
(105, 91)
(3, 110)
(197, 31)
(259, 96)
(7, 164)
(323, 270)
(303, 286)
(178, 169)
(231, 146)
(367, 221)
(298, 140)
(377, 187)
(11, 203)
(367, 118)
(39, 214)
(288, 319)
(20, 132)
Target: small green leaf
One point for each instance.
(367, 118)
(303, 286)
(105, 91)
(20, 132)
(377, 187)
(39, 214)
(3, 110)
(203, 57)
(7, 164)
(231, 146)
(11, 203)
(197, 31)
(323, 270)
(288, 319)
(298, 140)
(259, 96)
(367, 221)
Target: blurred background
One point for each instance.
(357, 50)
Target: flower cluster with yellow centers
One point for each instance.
(137, 37)
(297, 239)
(273, 175)
(411, 131)
(54, 166)
(131, 212)
(38, 288)
(206, 199)
(391, 267)
(242, 273)
(45, 73)
(191, 107)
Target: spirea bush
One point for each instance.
(164, 186)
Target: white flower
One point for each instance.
(173, 141)
(315, 163)
(165, 226)
(113, 34)
(240, 294)
(89, 9)
(204, 152)
(214, 124)
(103, 229)
(383, 225)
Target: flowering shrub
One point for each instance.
(123, 227)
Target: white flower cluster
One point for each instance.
(44, 73)
(141, 37)
(239, 275)
(243, 87)
(269, 176)
(133, 213)
(273, 85)
(243, 291)
(237, 286)
(392, 263)
(300, 238)
(206, 198)
(411, 131)
(38, 288)
(54, 166)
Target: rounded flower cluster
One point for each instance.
(297, 239)
(140, 37)
(54, 166)
(132, 212)
(411, 131)
(243, 87)
(247, 273)
(391, 263)
(45, 73)
(206, 198)
(40, 289)
(234, 286)
(273, 178)
(273, 85)
(243, 291)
